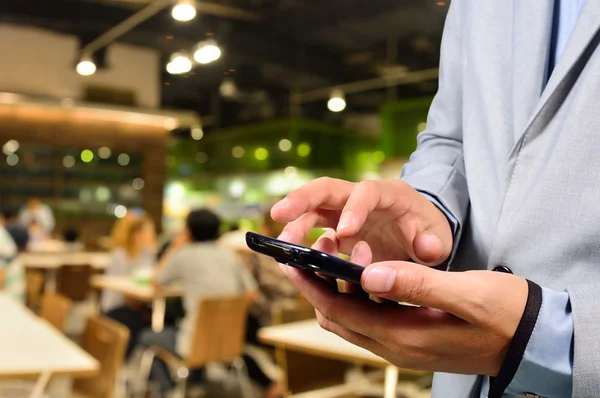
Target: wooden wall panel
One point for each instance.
(60, 128)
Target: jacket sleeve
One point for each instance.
(437, 166)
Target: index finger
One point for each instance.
(324, 193)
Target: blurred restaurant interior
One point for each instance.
(120, 117)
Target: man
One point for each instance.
(37, 212)
(505, 178)
(205, 270)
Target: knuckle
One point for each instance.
(367, 186)
(414, 288)
(324, 180)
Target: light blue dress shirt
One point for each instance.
(547, 366)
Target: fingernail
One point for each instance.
(380, 279)
(345, 221)
(285, 236)
(436, 242)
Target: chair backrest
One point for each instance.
(55, 308)
(74, 281)
(34, 281)
(105, 340)
(220, 330)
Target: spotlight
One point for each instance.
(184, 10)
(207, 52)
(86, 66)
(337, 101)
(180, 63)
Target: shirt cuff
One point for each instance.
(547, 365)
(454, 225)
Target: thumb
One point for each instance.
(433, 245)
(459, 293)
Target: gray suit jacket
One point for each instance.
(517, 166)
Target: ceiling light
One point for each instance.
(86, 66)
(184, 10)
(180, 63)
(207, 52)
(337, 101)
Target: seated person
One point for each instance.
(18, 232)
(135, 255)
(12, 273)
(204, 269)
(39, 212)
(71, 239)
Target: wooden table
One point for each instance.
(50, 262)
(142, 292)
(29, 346)
(309, 338)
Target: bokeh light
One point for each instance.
(238, 152)
(87, 156)
(69, 161)
(261, 153)
(304, 149)
(123, 159)
(285, 145)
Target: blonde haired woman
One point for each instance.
(135, 251)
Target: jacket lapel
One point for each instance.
(585, 30)
(532, 28)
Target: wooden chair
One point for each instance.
(218, 337)
(55, 308)
(105, 340)
(73, 281)
(34, 282)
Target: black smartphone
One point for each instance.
(304, 258)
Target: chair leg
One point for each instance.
(181, 376)
(242, 373)
(144, 371)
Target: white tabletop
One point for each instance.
(29, 346)
(310, 338)
(127, 286)
(97, 260)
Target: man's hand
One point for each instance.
(465, 322)
(395, 221)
